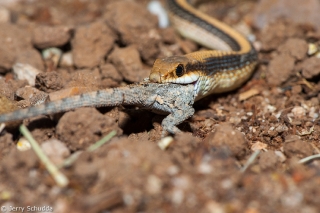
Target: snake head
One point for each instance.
(172, 69)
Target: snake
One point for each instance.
(229, 63)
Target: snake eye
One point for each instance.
(179, 70)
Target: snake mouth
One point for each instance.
(191, 78)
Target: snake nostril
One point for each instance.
(155, 77)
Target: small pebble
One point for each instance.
(205, 168)
(154, 184)
(282, 128)
(25, 72)
(66, 60)
(298, 112)
(23, 145)
(173, 170)
(258, 146)
(55, 150)
(52, 55)
(281, 156)
(214, 207)
(165, 142)
(156, 8)
(4, 15)
(312, 49)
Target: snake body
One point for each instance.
(223, 69)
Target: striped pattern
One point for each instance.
(211, 71)
(178, 8)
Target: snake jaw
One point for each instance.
(189, 78)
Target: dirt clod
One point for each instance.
(93, 128)
(31, 95)
(135, 28)
(268, 160)
(6, 90)
(295, 47)
(311, 67)
(91, 43)
(85, 78)
(277, 66)
(110, 77)
(31, 57)
(293, 146)
(226, 136)
(298, 11)
(13, 41)
(55, 150)
(127, 62)
(50, 36)
(49, 81)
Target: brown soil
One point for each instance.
(114, 43)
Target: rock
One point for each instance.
(66, 60)
(110, 77)
(294, 146)
(49, 81)
(85, 78)
(91, 43)
(13, 39)
(32, 96)
(5, 15)
(6, 90)
(226, 136)
(135, 28)
(278, 71)
(52, 57)
(83, 127)
(26, 72)
(127, 61)
(32, 57)
(268, 160)
(55, 150)
(50, 36)
(311, 67)
(298, 11)
(295, 47)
